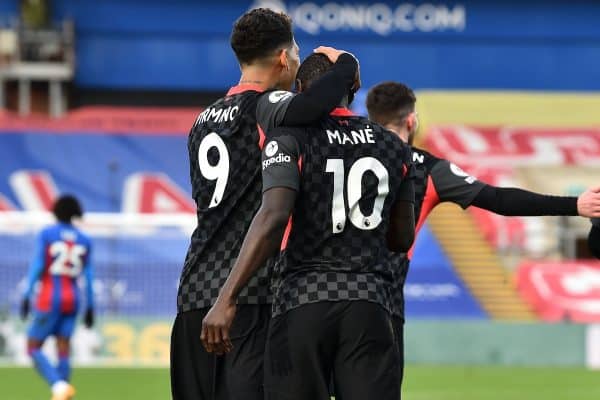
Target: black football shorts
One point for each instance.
(198, 375)
(353, 340)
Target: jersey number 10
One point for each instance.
(219, 171)
(354, 193)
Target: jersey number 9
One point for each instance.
(218, 172)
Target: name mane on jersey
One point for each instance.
(360, 136)
(218, 114)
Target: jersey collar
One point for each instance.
(342, 112)
(237, 89)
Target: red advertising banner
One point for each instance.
(560, 291)
(106, 120)
(492, 154)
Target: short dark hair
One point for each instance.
(260, 32)
(312, 68)
(390, 101)
(66, 208)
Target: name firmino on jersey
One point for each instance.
(218, 115)
(355, 137)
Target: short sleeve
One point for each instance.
(281, 163)
(271, 109)
(454, 185)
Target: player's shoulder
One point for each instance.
(48, 231)
(423, 157)
(270, 104)
(230, 108)
(274, 96)
(83, 237)
(289, 134)
(70, 232)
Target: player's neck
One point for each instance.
(401, 133)
(344, 103)
(258, 76)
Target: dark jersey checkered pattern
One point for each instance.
(225, 174)
(436, 180)
(335, 247)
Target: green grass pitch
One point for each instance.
(421, 383)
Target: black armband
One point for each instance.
(518, 202)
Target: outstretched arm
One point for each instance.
(454, 185)
(261, 242)
(518, 202)
(282, 108)
(324, 94)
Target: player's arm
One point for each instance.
(281, 181)
(519, 202)
(281, 108)
(401, 232)
(454, 185)
(88, 271)
(594, 238)
(33, 275)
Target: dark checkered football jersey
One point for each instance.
(348, 173)
(436, 180)
(224, 156)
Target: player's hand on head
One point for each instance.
(88, 318)
(215, 327)
(24, 309)
(588, 203)
(331, 53)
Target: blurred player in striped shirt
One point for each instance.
(62, 254)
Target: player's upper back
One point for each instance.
(350, 173)
(224, 148)
(66, 249)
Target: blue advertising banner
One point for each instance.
(101, 169)
(352, 19)
(184, 44)
(433, 289)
